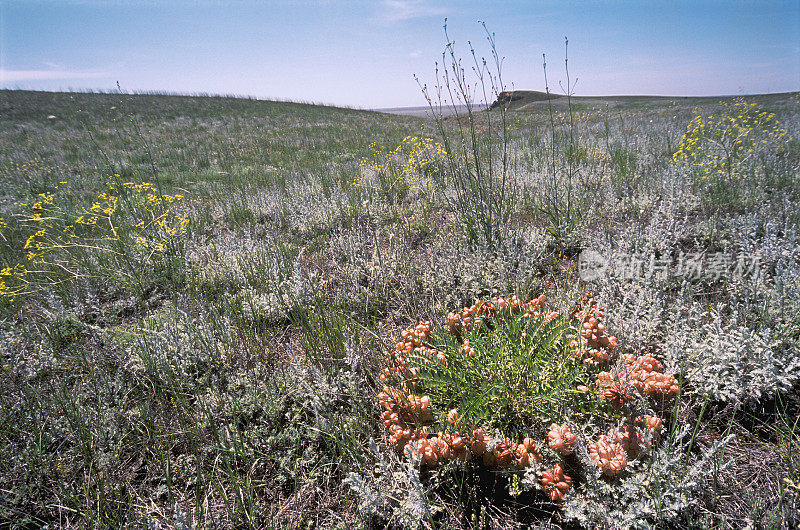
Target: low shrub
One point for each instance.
(503, 375)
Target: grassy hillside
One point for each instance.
(198, 294)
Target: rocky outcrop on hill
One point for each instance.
(518, 98)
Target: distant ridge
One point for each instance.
(534, 99)
(516, 99)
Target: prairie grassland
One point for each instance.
(197, 295)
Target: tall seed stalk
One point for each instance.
(477, 166)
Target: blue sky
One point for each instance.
(365, 53)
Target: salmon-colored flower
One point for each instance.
(561, 439)
(609, 456)
(556, 483)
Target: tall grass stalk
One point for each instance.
(478, 165)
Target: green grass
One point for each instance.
(229, 380)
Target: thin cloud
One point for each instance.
(399, 10)
(15, 76)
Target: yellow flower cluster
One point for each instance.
(719, 144)
(44, 200)
(122, 218)
(409, 164)
(162, 218)
(14, 274)
(61, 228)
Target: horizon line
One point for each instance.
(201, 94)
